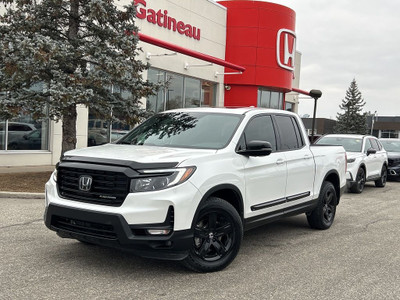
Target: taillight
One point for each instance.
(345, 159)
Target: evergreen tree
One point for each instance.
(78, 51)
(352, 120)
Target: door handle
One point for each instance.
(307, 156)
(280, 161)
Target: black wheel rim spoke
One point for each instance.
(328, 208)
(328, 198)
(219, 247)
(200, 233)
(213, 236)
(212, 221)
(223, 230)
(205, 248)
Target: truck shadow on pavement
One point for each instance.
(103, 260)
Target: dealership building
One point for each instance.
(225, 53)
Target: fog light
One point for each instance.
(158, 231)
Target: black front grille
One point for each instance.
(84, 227)
(107, 187)
(393, 162)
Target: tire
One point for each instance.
(359, 184)
(323, 215)
(218, 233)
(381, 182)
(13, 146)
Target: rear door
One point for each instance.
(377, 160)
(299, 161)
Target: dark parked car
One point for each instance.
(392, 147)
(30, 141)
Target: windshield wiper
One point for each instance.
(124, 143)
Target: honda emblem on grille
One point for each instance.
(85, 183)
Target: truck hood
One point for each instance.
(141, 154)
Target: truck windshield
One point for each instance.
(186, 130)
(349, 144)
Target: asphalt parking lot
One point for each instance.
(357, 258)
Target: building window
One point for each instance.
(24, 133)
(180, 91)
(192, 92)
(269, 99)
(101, 131)
(289, 106)
(208, 93)
(174, 91)
(156, 102)
(392, 134)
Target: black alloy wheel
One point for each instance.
(359, 184)
(323, 215)
(381, 182)
(218, 233)
(213, 236)
(329, 206)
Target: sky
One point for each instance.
(345, 39)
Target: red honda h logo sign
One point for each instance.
(286, 48)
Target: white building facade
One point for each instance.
(187, 49)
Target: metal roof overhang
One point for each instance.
(192, 53)
(301, 91)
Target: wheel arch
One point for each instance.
(227, 192)
(363, 166)
(334, 178)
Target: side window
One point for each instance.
(379, 144)
(289, 134)
(300, 140)
(261, 128)
(375, 144)
(368, 145)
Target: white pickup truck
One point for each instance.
(187, 183)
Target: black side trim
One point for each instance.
(298, 196)
(371, 178)
(268, 204)
(280, 201)
(278, 214)
(118, 162)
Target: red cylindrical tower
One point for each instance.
(261, 37)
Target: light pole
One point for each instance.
(372, 122)
(316, 94)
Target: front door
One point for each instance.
(265, 176)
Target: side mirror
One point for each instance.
(256, 148)
(371, 151)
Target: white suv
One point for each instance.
(366, 159)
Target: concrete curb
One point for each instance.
(18, 195)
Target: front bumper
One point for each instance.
(111, 229)
(394, 172)
(349, 179)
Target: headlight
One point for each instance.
(160, 179)
(351, 160)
